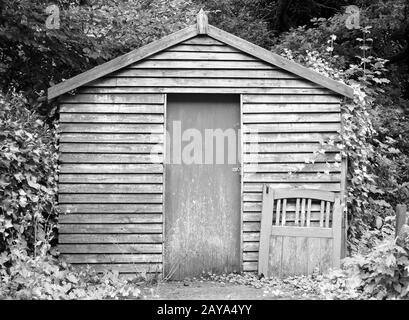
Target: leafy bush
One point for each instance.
(379, 273)
(23, 276)
(375, 128)
(382, 273)
(32, 57)
(28, 181)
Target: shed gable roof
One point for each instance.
(188, 33)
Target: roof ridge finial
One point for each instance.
(202, 22)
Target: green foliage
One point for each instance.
(34, 57)
(23, 276)
(382, 273)
(375, 128)
(243, 18)
(28, 163)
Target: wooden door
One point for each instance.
(300, 232)
(202, 198)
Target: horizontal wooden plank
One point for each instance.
(109, 198)
(110, 238)
(111, 118)
(280, 193)
(111, 128)
(290, 118)
(301, 232)
(112, 108)
(250, 256)
(110, 178)
(125, 268)
(286, 147)
(250, 266)
(296, 99)
(110, 228)
(111, 168)
(221, 56)
(290, 108)
(251, 216)
(296, 177)
(290, 137)
(122, 61)
(277, 60)
(112, 258)
(106, 98)
(201, 48)
(292, 167)
(292, 127)
(203, 40)
(289, 157)
(110, 188)
(205, 82)
(203, 64)
(251, 236)
(305, 194)
(112, 138)
(251, 226)
(109, 158)
(112, 218)
(222, 90)
(255, 208)
(111, 208)
(110, 148)
(205, 73)
(258, 187)
(110, 248)
(250, 246)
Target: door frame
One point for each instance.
(165, 112)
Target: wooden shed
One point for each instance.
(128, 209)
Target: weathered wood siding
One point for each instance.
(290, 128)
(113, 194)
(109, 188)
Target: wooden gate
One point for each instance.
(300, 232)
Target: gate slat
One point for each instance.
(322, 213)
(265, 229)
(283, 219)
(297, 208)
(303, 212)
(327, 214)
(308, 212)
(278, 212)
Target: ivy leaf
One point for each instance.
(72, 278)
(31, 181)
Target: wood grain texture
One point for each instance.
(279, 61)
(250, 52)
(109, 238)
(112, 218)
(122, 61)
(299, 249)
(133, 89)
(109, 188)
(202, 227)
(112, 258)
(112, 137)
(266, 222)
(111, 208)
(125, 268)
(111, 125)
(110, 248)
(110, 228)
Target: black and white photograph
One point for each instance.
(216, 152)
